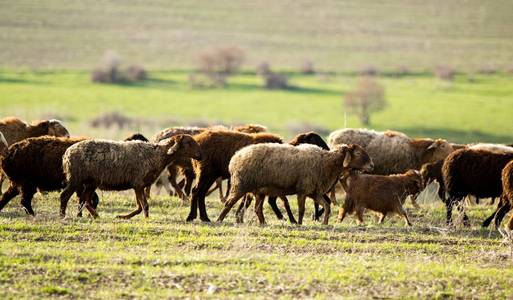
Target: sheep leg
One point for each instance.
(488, 220)
(246, 202)
(382, 218)
(219, 184)
(441, 191)
(198, 198)
(2, 178)
(510, 223)
(359, 215)
(448, 207)
(326, 205)
(506, 207)
(139, 209)
(414, 202)
(27, 193)
(342, 212)
(11, 192)
(230, 202)
(89, 193)
(228, 187)
(65, 195)
(492, 201)
(292, 220)
(402, 212)
(461, 210)
(274, 206)
(259, 208)
(171, 180)
(189, 179)
(317, 212)
(301, 200)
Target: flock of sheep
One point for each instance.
(377, 170)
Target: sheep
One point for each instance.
(15, 130)
(36, 163)
(499, 148)
(472, 172)
(311, 138)
(218, 148)
(379, 193)
(112, 165)
(250, 128)
(433, 172)
(507, 192)
(136, 137)
(393, 152)
(279, 170)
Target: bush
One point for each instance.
(367, 97)
(307, 68)
(263, 68)
(445, 73)
(219, 63)
(488, 70)
(369, 71)
(110, 71)
(275, 81)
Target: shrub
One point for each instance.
(110, 71)
(275, 81)
(308, 68)
(445, 73)
(219, 63)
(369, 71)
(488, 70)
(263, 68)
(367, 97)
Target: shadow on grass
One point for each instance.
(292, 89)
(20, 81)
(454, 135)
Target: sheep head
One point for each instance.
(355, 158)
(182, 145)
(56, 128)
(417, 183)
(309, 138)
(431, 150)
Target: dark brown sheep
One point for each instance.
(382, 194)
(136, 137)
(218, 147)
(15, 130)
(472, 172)
(36, 163)
(433, 172)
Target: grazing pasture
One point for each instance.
(163, 256)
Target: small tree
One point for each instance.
(367, 97)
(219, 63)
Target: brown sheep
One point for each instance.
(507, 190)
(15, 130)
(433, 172)
(218, 147)
(382, 194)
(36, 164)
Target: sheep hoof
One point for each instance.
(205, 220)
(190, 218)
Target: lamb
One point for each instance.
(15, 130)
(393, 152)
(473, 172)
(36, 163)
(382, 194)
(279, 170)
(111, 165)
(218, 148)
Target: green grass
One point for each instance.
(163, 256)
(470, 109)
(335, 35)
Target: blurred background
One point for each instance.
(108, 68)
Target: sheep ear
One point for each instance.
(347, 159)
(172, 150)
(433, 145)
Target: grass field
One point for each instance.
(337, 35)
(470, 109)
(164, 257)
